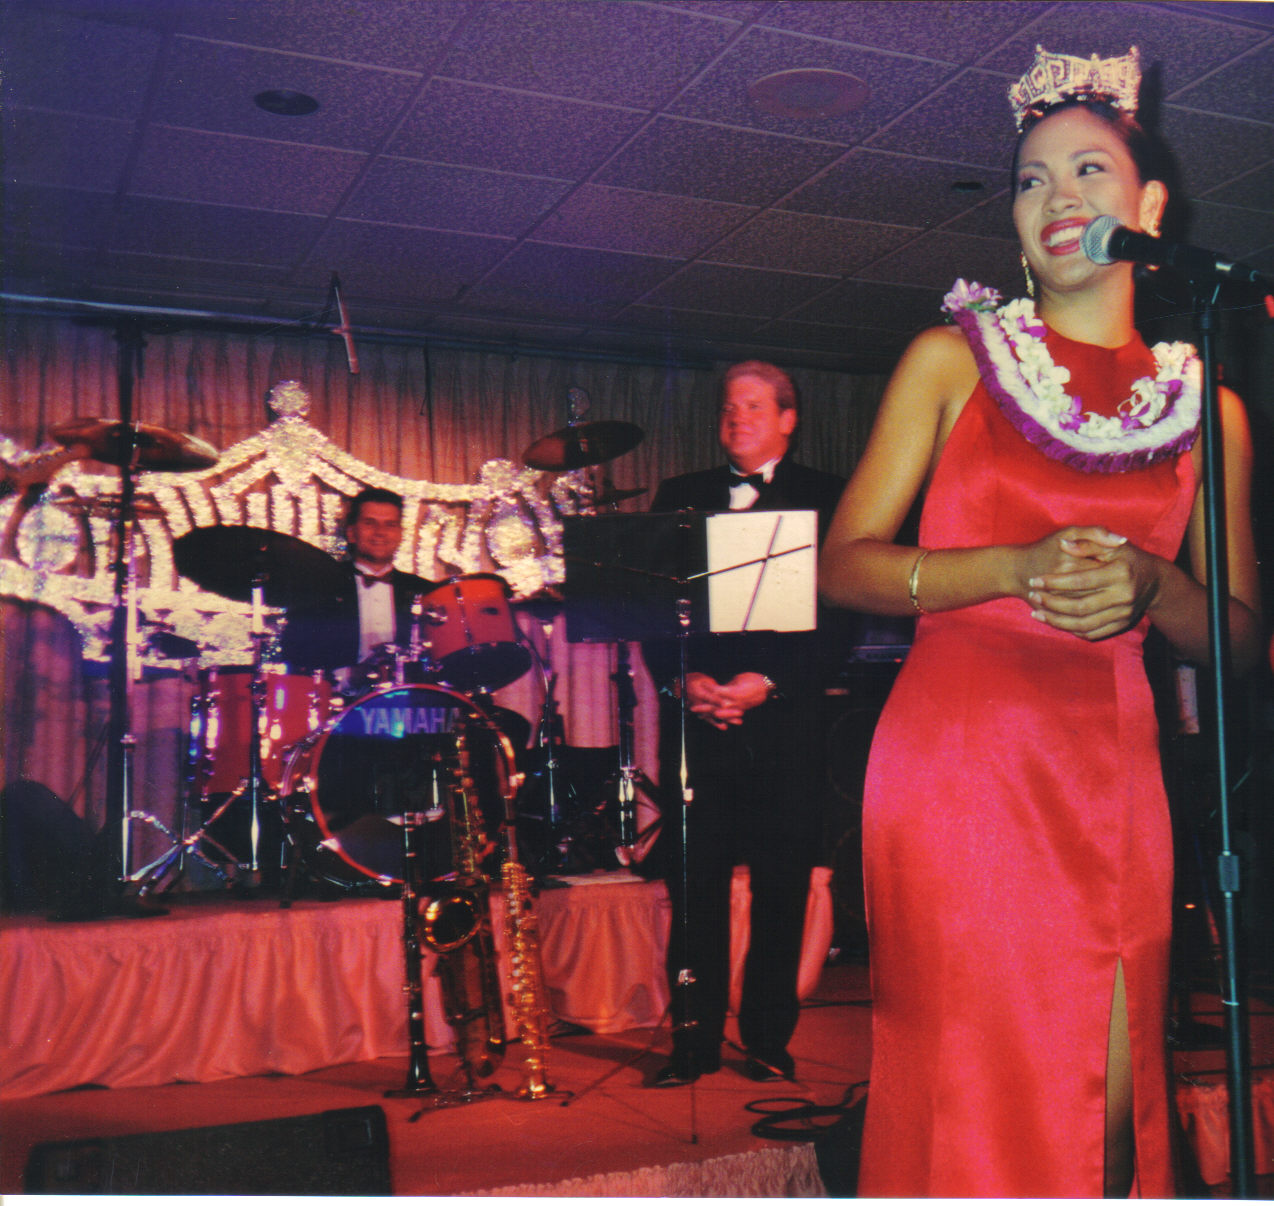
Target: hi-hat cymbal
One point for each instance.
(583, 444)
(157, 449)
(229, 561)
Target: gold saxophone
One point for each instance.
(526, 980)
(457, 924)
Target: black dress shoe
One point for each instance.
(769, 1066)
(682, 1070)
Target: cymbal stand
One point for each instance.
(630, 774)
(257, 788)
(557, 852)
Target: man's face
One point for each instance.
(375, 535)
(751, 426)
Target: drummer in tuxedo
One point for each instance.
(369, 603)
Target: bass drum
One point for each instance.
(397, 751)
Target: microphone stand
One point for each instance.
(1229, 871)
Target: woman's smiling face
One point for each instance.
(1072, 167)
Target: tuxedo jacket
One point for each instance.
(322, 632)
(795, 662)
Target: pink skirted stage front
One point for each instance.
(225, 1011)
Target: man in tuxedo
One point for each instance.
(369, 603)
(754, 755)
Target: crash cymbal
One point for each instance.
(611, 495)
(158, 450)
(228, 560)
(583, 444)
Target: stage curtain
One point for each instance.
(430, 413)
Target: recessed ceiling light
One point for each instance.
(286, 103)
(967, 186)
(808, 92)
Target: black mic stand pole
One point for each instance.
(685, 973)
(1234, 1005)
(121, 741)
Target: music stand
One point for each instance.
(659, 576)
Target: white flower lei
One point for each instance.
(1160, 418)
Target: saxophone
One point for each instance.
(458, 926)
(526, 979)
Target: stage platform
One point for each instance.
(229, 1014)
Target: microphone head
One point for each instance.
(1095, 240)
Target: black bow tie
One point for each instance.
(755, 480)
(371, 579)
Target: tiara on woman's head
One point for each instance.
(1054, 78)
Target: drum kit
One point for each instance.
(330, 759)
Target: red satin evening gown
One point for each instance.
(1017, 843)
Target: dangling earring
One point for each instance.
(1030, 280)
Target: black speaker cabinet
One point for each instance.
(342, 1152)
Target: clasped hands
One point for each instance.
(1089, 581)
(724, 704)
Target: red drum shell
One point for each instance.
(294, 706)
(473, 640)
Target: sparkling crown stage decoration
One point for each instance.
(1054, 78)
(57, 550)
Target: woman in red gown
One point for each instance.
(1017, 849)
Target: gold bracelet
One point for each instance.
(914, 581)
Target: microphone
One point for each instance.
(1104, 241)
(344, 330)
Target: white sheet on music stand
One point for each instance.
(785, 600)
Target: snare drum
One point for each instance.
(294, 706)
(473, 640)
(396, 751)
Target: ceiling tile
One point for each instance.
(406, 192)
(480, 126)
(1161, 32)
(967, 121)
(1210, 151)
(38, 214)
(698, 160)
(1243, 88)
(618, 219)
(76, 151)
(737, 290)
(566, 282)
(399, 262)
(1232, 233)
(583, 49)
(54, 60)
(872, 186)
(936, 259)
(893, 307)
(721, 95)
(808, 243)
(209, 232)
(389, 33)
(695, 323)
(856, 340)
(222, 169)
(208, 86)
(1253, 190)
(949, 30)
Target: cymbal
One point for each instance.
(107, 506)
(158, 449)
(228, 561)
(583, 444)
(612, 495)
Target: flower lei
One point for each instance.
(1160, 419)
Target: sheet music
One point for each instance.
(762, 571)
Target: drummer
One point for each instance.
(346, 625)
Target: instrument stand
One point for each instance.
(674, 558)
